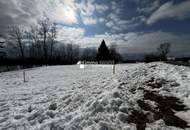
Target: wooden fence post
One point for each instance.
(114, 68)
(24, 76)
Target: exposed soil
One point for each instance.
(164, 110)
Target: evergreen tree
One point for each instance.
(103, 52)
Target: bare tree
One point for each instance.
(89, 54)
(69, 51)
(60, 52)
(44, 30)
(16, 36)
(72, 53)
(163, 50)
(52, 37)
(114, 52)
(35, 41)
(75, 53)
(113, 48)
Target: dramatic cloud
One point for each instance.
(171, 10)
(87, 22)
(27, 12)
(17, 12)
(148, 42)
(88, 8)
(140, 42)
(65, 12)
(149, 7)
(116, 24)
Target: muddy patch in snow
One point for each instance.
(165, 109)
(160, 82)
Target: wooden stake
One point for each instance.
(24, 78)
(113, 68)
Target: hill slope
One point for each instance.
(138, 96)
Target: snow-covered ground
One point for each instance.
(139, 96)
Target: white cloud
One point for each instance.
(101, 20)
(89, 20)
(86, 8)
(149, 7)
(116, 24)
(70, 34)
(65, 15)
(65, 12)
(113, 17)
(171, 10)
(110, 24)
(101, 8)
(96, 40)
(113, 5)
(18, 12)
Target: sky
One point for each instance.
(136, 26)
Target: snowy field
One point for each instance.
(153, 96)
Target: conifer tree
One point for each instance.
(103, 52)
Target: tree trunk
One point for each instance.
(44, 47)
(51, 53)
(21, 49)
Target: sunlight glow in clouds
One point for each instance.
(65, 14)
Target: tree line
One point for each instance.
(37, 45)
